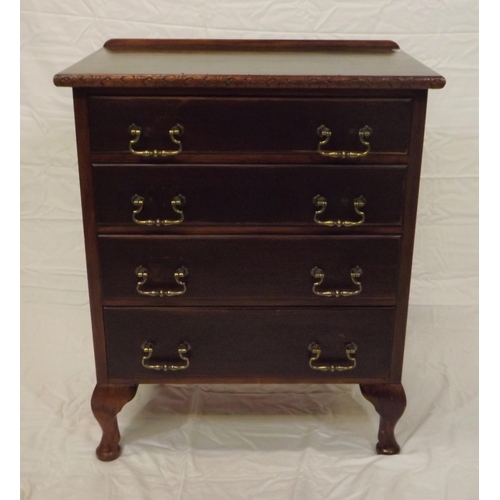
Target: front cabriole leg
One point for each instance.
(107, 401)
(389, 401)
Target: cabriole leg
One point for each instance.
(390, 402)
(107, 402)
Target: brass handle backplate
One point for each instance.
(325, 133)
(176, 202)
(319, 275)
(321, 203)
(179, 275)
(174, 132)
(350, 350)
(147, 350)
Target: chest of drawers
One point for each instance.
(249, 213)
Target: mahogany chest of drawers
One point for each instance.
(249, 212)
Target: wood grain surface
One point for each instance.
(252, 343)
(204, 64)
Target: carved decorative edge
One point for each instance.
(254, 81)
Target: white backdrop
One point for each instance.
(249, 442)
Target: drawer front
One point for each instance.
(252, 344)
(249, 270)
(236, 195)
(247, 125)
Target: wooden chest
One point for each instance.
(249, 213)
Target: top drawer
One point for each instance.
(248, 125)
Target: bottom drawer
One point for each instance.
(249, 345)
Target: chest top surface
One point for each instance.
(293, 64)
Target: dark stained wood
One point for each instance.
(248, 125)
(107, 401)
(296, 68)
(389, 401)
(250, 230)
(152, 80)
(409, 222)
(89, 229)
(242, 196)
(246, 92)
(244, 380)
(251, 342)
(248, 270)
(158, 44)
(249, 169)
(251, 302)
(245, 158)
(245, 229)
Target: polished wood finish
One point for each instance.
(249, 170)
(89, 231)
(299, 67)
(251, 343)
(243, 196)
(107, 401)
(243, 125)
(151, 44)
(409, 223)
(265, 270)
(312, 158)
(389, 401)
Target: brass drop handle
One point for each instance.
(315, 350)
(325, 133)
(176, 202)
(321, 203)
(174, 132)
(179, 275)
(319, 275)
(182, 350)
